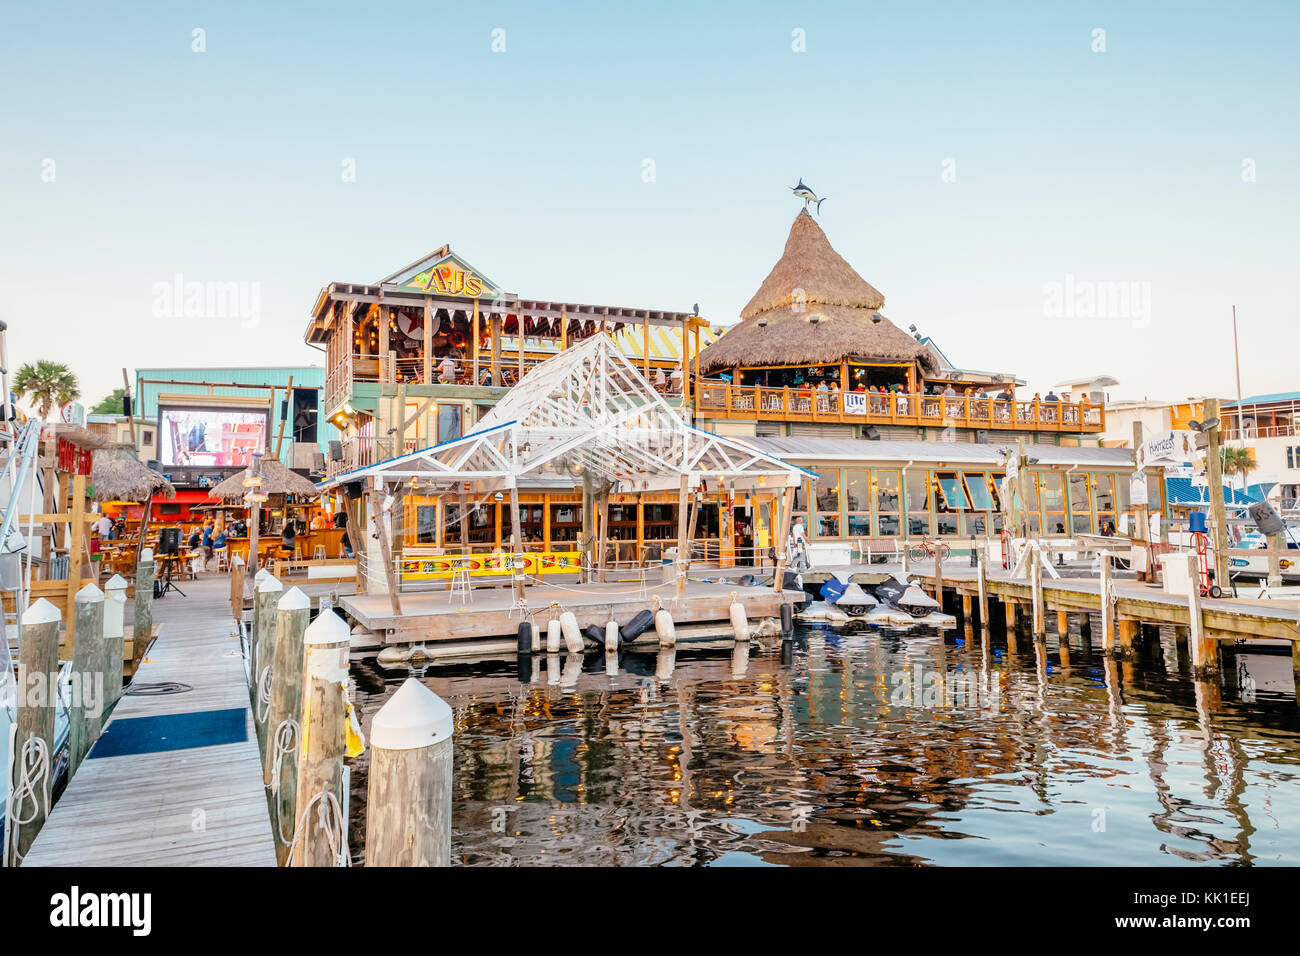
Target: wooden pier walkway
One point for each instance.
(195, 805)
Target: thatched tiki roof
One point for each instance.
(812, 280)
(117, 475)
(276, 480)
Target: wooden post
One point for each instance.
(682, 543)
(38, 681)
(686, 365)
(284, 719)
(1205, 659)
(427, 365)
(1128, 629)
(516, 543)
(496, 349)
(267, 593)
(114, 639)
(408, 801)
(288, 397)
(690, 532)
(938, 576)
(1107, 609)
(1141, 516)
(254, 526)
(1276, 545)
(143, 614)
(1214, 469)
(1062, 626)
(385, 552)
(519, 332)
(474, 344)
(645, 349)
(86, 710)
(76, 548)
(1039, 604)
(781, 528)
(982, 565)
(320, 755)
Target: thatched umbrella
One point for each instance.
(276, 480)
(117, 475)
(813, 309)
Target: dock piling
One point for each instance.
(114, 639)
(266, 597)
(320, 827)
(408, 801)
(1205, 658)
(32, 759)
(983, 575)
(284, 718)
(142, 625)
(86, 710)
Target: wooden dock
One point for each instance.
(441, 615)
(198, 806)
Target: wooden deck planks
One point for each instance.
(204, 806)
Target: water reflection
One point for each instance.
(866, 749)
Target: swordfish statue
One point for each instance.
(807, 195)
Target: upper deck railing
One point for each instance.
(720, 400)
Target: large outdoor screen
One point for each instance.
(211, 437)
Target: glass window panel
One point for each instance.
(887, 525)
(1053, 491)
(801, 497)
(918, 491)
(980, 496)
(426, 524)
(976, 523)
(951, 491)
(1081, 523)
(918, 524)
(859, 525)
(947, 523)
(448, 423)
(887, 492)
(1103, 493)
(1079, 498)
(857, 489)
(828, 492)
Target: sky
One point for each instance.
(1055, 190)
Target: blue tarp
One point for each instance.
(1181, 491)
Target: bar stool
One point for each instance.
(223, 559)
(460, 582)
(319, 553)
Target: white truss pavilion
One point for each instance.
(587, 409)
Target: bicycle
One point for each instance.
(928, 549)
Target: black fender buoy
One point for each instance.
(787, 619)
(636, 627)
(594, 634)
(787, 653)
(524, 645)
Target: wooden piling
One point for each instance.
(266, 597)
(1205, 659)
(1062, 626)
(86, 709)
(408, 800)
(1107, 608)
(32, 775)
(1039, 606)
(1128, 631)
(320, 755)
(142, 626)
(284, 719)
(114, 640)
(983, 589)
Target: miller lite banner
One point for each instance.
(855, 403)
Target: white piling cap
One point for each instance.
(412, 718)
(295, 599)
(146, 554)
(261, 573)
(116, 583)
(41, 612)
(89, 594)
(328, 628)
(268, 583)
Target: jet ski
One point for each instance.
(855, 602)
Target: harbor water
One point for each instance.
(866, 749)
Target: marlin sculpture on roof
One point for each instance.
(807, 195)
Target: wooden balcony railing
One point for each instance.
(720, 400)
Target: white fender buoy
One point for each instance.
(572, 670)
(552, 668)
(740, 622)
(393, 655)
(553, 636)
(611, 663)
(572, 636)
(665, 629)
(611, 635)
(538, 640)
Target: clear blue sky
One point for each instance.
(225, 166)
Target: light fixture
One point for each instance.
(761, 321)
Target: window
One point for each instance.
(1052, 493)
(887, 502)
(950, 502)
(918, 503)
(146, 436)
(828, 504)
(426, 524)
(1080, 504)
(448, 423)
(857, 501)
(981, 496)
(1103, 503)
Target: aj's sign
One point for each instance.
(451, 276)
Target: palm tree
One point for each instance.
(1237, 461)
(46, 384)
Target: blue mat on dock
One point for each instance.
(147, 735)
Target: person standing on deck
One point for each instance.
(447, 370)
(105, 527)
(796, 547)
